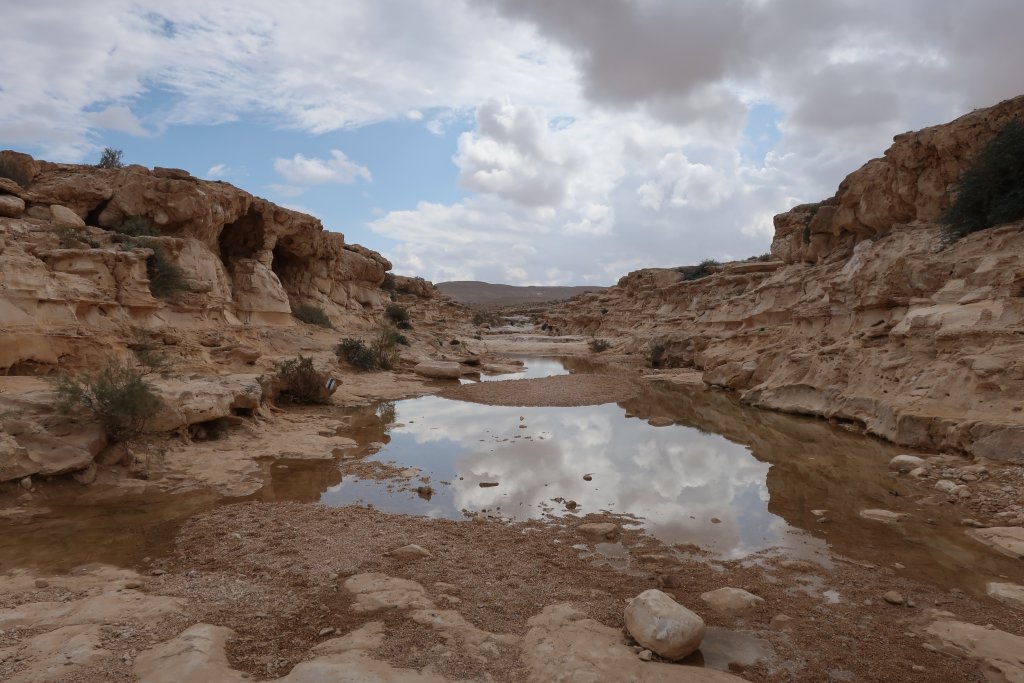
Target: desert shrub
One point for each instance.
(118, 396)
(297, 381)
(12, 170)
(396, 313)
(355, 353)
(701, 270)
(137, 226)
(385, 346)
(166, 279)
(110, 158)
(484, 318)
(599, 345)
(656, 354)
(312, 315)
(991, 191)
(811, 213)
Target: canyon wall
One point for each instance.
(70, 284)
(863, 315)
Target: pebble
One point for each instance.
(157, 572)
(716, 520)
(917, 668)
(782, 622)
(326, 632)
(645, 655)
(893, 598)
(488, 484)
(42, 583)
(587, 477)
(571, 505)
(133, 585)
(26, 483)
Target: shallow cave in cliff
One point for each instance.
(287, 265)
(242, 239)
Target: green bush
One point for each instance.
(396, 313)
(118, 396)
(991, 191)
(385, 346)
(297, 381)
(166, 279)
(70, 238)
(656, 354)
(701, 270)
(137, 226)
(598, 345)
(313, 315)
(110, 158)
(355, 353)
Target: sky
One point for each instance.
(520, 141)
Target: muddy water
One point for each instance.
(729, 479)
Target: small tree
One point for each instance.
(166, 279)
(110, 158)
(397, 313)
(313, 315)
(991, 191)
(355, 353)
(598, 345)
(298, 381)
(118, 396)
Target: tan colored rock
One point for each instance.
(599, 531)
(906, 463)
(374, 592)
(884, 516)
(63, 217)
(562, 645)
(60, 654)
(410, 552)
(662, 625)
(197, 654)
(999, 654)
(11, 206)
(732, 600)
(1009, 540)
(1010, 594)
(436, 369)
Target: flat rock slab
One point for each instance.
(438, 369)
(599, 531)
(884, 516)
(1009, 540)
(1007, 593)
(558, 391)
(1000, 654)
(727, 600)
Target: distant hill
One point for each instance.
(474, 293)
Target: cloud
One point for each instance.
(300, 170)
(217, 171)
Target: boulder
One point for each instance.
(663, 626)
(999, 654)
(63, 217)
(11, 206)
(906, 463)
(727, 600)
(436, 369)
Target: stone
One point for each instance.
(1000, 654)
(1009, 540)
(436, 369)
(661, 422)
(1007, 593)
(410, 552)
(662, 625)
(645, 655)
(906, 463)
(26, 483)
(893, 598)
(374, 592)
(918, 472)
(781, 622)
(488, 484)
(63, 217)
(944, 485)
(599, 531)
(11, 206)
(884, 516)
(731, 600)
(563, 645)
(42, 583)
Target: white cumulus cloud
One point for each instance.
(301, 170)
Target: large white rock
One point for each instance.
(662, 625)
(438, 369)
(1007, 593)
(730, 599)
(906, 463)
(63, 217)
(1009, 540)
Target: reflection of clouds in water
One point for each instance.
(676, 477)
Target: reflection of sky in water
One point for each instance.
(676, 478)
(535, 369)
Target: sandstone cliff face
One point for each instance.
(64, 280)
(863, 317)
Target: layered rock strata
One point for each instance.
(862, 315)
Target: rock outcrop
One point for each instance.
(66, 274)
(861, 315)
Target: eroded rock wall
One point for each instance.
(864, 316)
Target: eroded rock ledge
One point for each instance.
(861, 315)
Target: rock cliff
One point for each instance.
(862, 315)
(68, 279)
